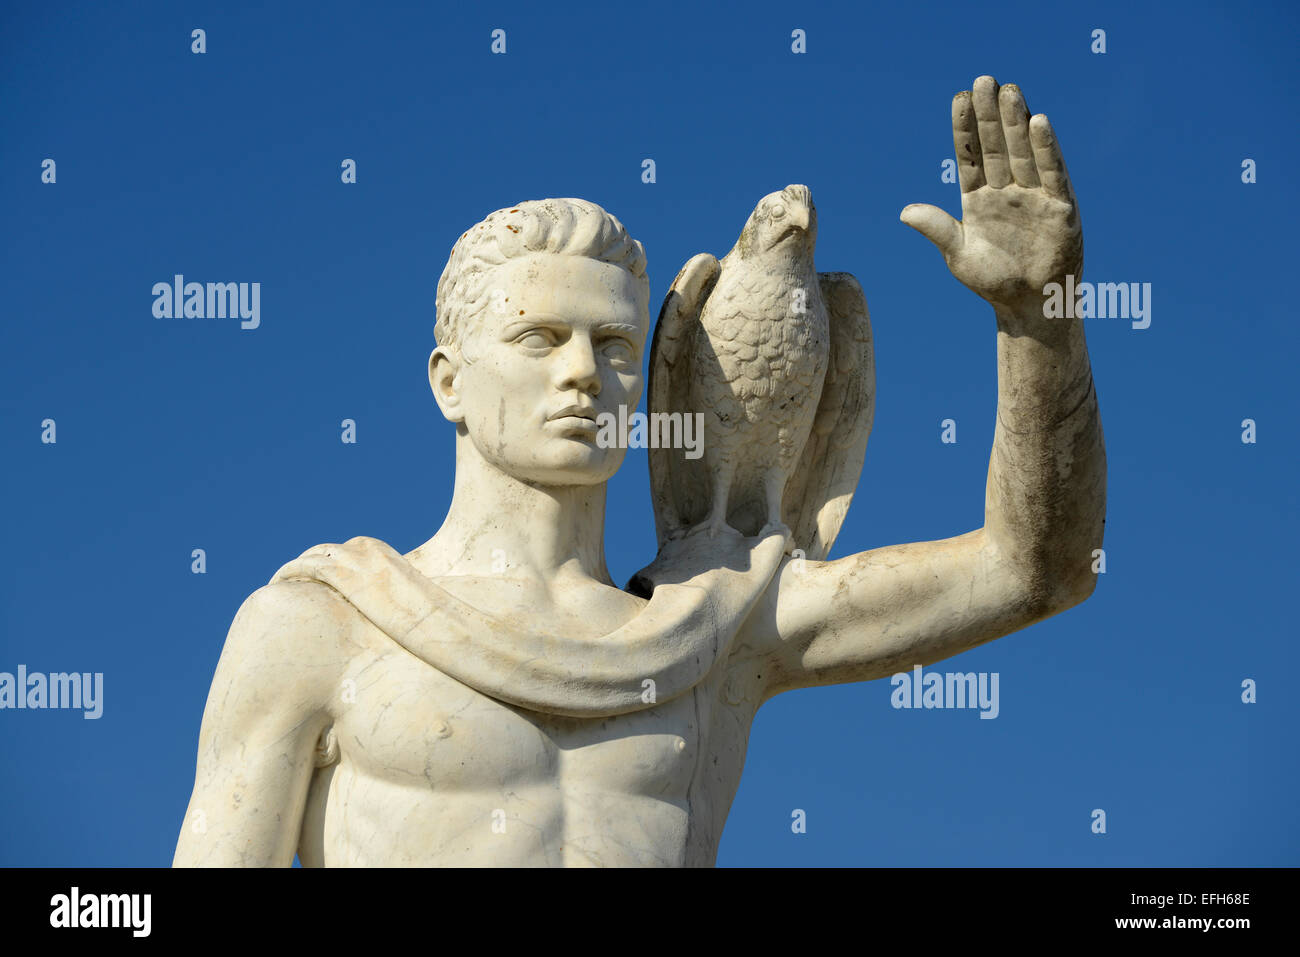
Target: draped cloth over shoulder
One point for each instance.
(703, 590)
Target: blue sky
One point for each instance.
(175, 435)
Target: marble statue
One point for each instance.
(492, 697)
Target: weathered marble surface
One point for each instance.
(492, 697)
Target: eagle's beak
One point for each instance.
(798, 199)
(800, 216)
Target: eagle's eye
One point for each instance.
(778, 211)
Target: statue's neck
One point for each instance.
(498, 525)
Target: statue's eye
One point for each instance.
(535, 339)
(778, 211)
(619, 351)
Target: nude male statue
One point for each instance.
(329, 732)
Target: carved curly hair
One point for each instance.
(567, 227)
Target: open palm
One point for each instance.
(1020, 219)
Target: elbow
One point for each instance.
(1045, 579)
(1047, 592)
(1073, 590)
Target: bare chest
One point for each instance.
(429, 771)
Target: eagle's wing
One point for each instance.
(679, 486)
(818, 494)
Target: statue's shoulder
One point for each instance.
(290, 644)
(304, 610)
(292, 604)
(362, 582)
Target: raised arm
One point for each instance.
(265, 712)
(878, 612)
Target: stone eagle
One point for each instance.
(778, 358)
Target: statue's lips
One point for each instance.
(574, 423)
(575, 417)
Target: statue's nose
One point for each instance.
(578, 368)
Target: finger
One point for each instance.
(1015, 127)
(984, 96)
(966, 140)
(935, 225)
(1047, 156)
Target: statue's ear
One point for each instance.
(444, 380)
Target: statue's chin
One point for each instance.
(566, 461)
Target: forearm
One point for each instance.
(1045, 502)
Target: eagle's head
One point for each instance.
(787, 217)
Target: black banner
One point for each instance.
(213, 906)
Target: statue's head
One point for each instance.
(783, 217)
(542, 316)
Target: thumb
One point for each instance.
(935, 225)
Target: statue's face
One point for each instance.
(559, 343)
